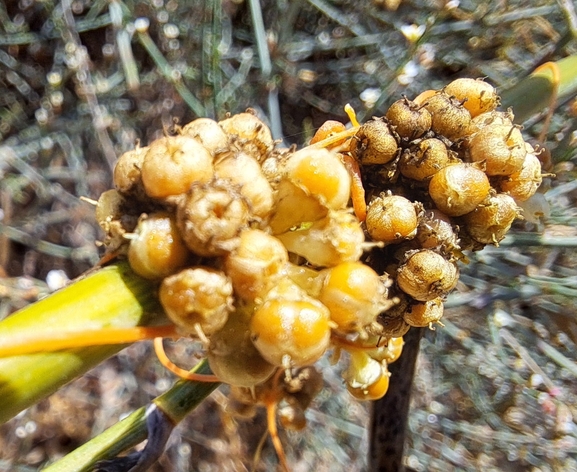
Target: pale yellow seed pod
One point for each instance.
(422, 314)
(245, 172)
(197, 297)
(256, 265)
(366, 378)
(156, 249)
(127, 171)
(354, 294)
(250, 133)
(290, 328)
(330, 241)
(427, 275)
(211, 218)
(173, 164)
(320, 173)
(209, 133)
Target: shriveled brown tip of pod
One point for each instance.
(211, 217)
(375, 143)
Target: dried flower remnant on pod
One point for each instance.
(258, 251)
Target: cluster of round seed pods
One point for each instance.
(271, 256)
(443, 173)
(256, 252)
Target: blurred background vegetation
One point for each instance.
(83, 81)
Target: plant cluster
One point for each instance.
(258, 253)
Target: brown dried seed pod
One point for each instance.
(410, 120)
(198, 297)
(391, 219)
(256, 265)
(127, 176)
(427, 275)
(478, 96)
(209, 133)
(245, 172)
(523, 184)
(253, 136)
(173, 164)
(500, 147)
(450, 118)
(393, 326)
(436, 230)
(156, 249)
(211, 217)
(232, 355)
(490, 222)
(376, 144)
(458, 188)
(421, 314)
(424, 159)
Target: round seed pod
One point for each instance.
(354, 294)
(156, 249)
(173, 164)
(330, 241)
(127, 177)
(197, 297)
(426, 275)
(490, 222)
(458, 188)
(424, 159)
(290, 328)
(523, 184)
(232, 356)
(211, 217)
(435, 230)
(366, 378)
(256, 265)
(109, 207)
(252, 135)
(376, 143)
(500, 147)
(492, 118)
(422, 314)
(320, 173)
(245, 173)
(292, 417)
(391, 219)
(477, 95)
(409, 120)
(209, 133)
(449, 117)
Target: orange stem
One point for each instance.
(357, 189)
(182, 373)
(34, 343)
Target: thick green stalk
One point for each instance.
(111, 297)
